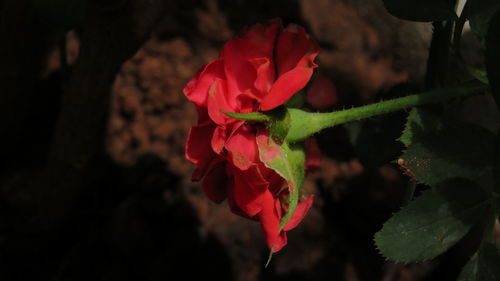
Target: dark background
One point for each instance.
(93, 180)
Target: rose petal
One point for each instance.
(217, 102)
(202, 114)
(197, 89)
(248, 188)
(268, 149)
(248, 101)
(235, 209)
(223, 133)
(238, 53)
(301, 210)
(276, 182)
(215, 183)
(242, 148)
(295, 52)
(239, 71)
(286, 86)
(198, 148)
(219, 139)
(265, 75)
(294, 48)
(270, 222)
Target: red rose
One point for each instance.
(260, 70)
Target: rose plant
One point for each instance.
(253, 148)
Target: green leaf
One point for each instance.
(466, 151)
(492, 56)
(480, 13)
(250, 116)
(421, 10)
(289, 162)
(433, 222)
(420, 121)
(483, 266)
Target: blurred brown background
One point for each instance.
(94, 184)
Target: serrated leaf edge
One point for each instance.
(376, 235)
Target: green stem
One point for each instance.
(304, 124)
